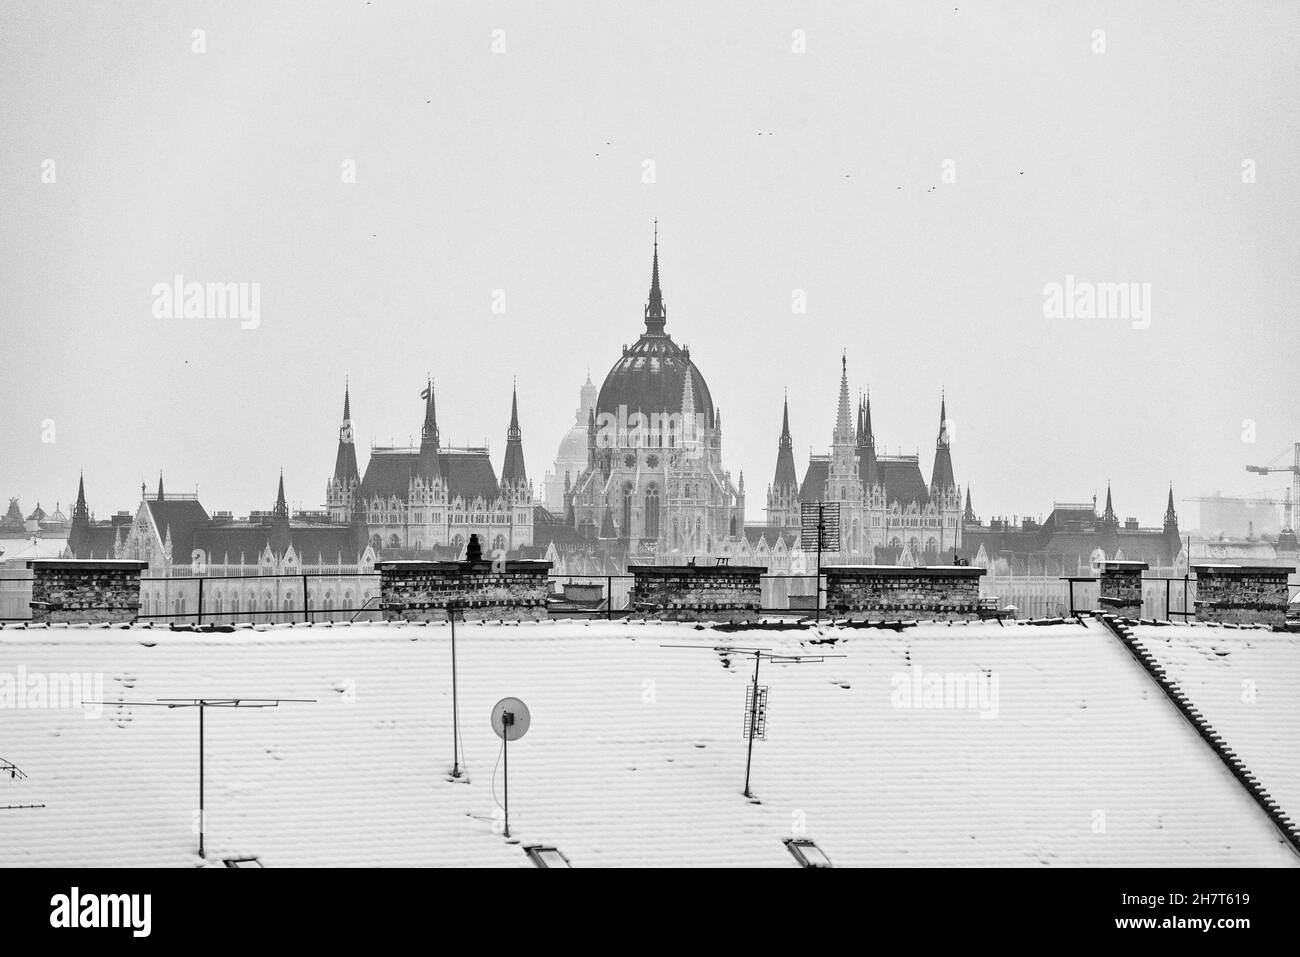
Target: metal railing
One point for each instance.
(207, 599)
(320, 597)
(1159, 610)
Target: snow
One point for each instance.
(1244, 681)
(634, 756)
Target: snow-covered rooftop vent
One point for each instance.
(806, 852)
(545, 856)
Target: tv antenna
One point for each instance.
(755, 694)
(15, 774)
(454, 608)
(510, 720)
(203, 704)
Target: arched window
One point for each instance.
(652, 511)
(329, 601)
(499, 544)
(733, 526)
(394, 541)
(376, 542)
(626, 527)
(347, 600)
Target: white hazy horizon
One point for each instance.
(516, 175)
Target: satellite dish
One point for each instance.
(518, 719)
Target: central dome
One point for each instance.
(650, 377)
(652, 373)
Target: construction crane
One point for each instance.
(1293, 497)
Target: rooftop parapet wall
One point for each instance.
(1121, 587)
(934, 592)
(83, 590)
(1242, 594)
(424, 591)
(697, 592)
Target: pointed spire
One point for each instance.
(1171, 516)
(655, 316)
(843, 422)
(870, 435)
(512, 469)
(868, 468)
(281, 509)
(79, 510)
(345, 459)
(427, 466)
(969, 514)
(942, 478)
(785, 478)
(429, 432)
(160, 487)
(1109, 514)
(513, 431)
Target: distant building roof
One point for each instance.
(901, 476)
(468, 473)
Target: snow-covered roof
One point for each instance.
(1244, 682)
(635, 754)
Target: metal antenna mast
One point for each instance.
(756, 695)
(203, 704)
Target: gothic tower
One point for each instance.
(783, 493)
(341, 493)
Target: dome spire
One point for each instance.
(655, 316)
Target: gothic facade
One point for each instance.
(426, 500)
(888, 514)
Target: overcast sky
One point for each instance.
(522, 170)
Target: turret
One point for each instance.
(868, 468)
(1171, 516)
(943, 486)
(343, 489)
(514, 480)
(428, 468)
(783, 495)
(1109, 521)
